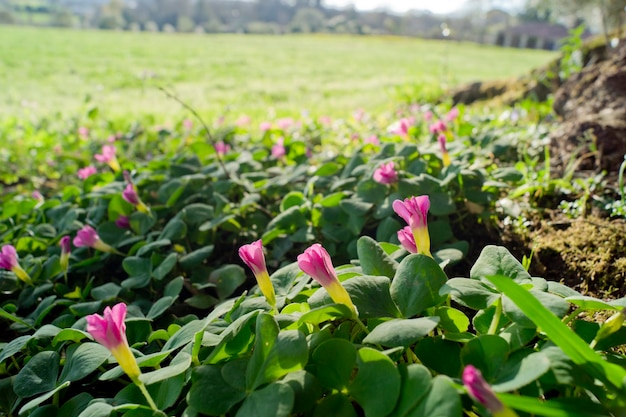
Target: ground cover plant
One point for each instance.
(304, 266)
(148, 254)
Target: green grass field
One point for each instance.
(49, 70)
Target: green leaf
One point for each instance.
(559, 407)
(82, 360)
(38, 375)
(442, 400)
(152, 246)
(265, 337)
(160, 307)
(38, 400)
(401, 332)
(333, 361)
(415, 384)
(196, 257)
(73, 335)
(496, 260)
(274, 400)
(561, 335)
(177, 366)
(589, 303)
(416, 284)
(210, 393)
(174, 230)
(520, 370)
(470, 293)
(373, 259)
(487, 353)
(376, 386)
(288, 354)
(97, 409)
(325, 313)
(452, 320)
(165, 266)
(370, 295)
(292, 199)
(306, 388)
(139, 270)
(141, 223)
(430, 351)
(227, 279)
(555, 304)
(13, 347)
(336, 405)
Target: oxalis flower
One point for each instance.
(110, 331)
(66, 249)
(386, 174)
(131, 195)
(445, 156)
(414, 211)
(252, 255)
(405, 236)
(87, 236)
(10, 261)
(108, 157)
(480, 391)
(316, 262)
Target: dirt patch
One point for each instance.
(587, 254)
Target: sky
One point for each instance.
(435, 6)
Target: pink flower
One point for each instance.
(10, 261)
(401, 127)
(221, 148)
(428, 116)
(88, 237)
(187, 124)
(445, 157)
(480, 391)
(414, 211)
(110, 331)
(265, 126)
(130, 194)
(285, 123)
(386, 174)
(66, 248)
(108, 157)
(112, 138)
(252, 255)
(316, 262)
(87, 172)
(8, 257)
(83, 132)
(359, 115)
(452, 114)
(122, 222)
(243, 121)
(437, 127)
(278, 150)
(325, 120)
(37, 195)
(372, 139)
(405, 236)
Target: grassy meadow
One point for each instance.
(44, 70)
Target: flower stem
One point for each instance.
(361, 325)
(493, 328)
(146, 394)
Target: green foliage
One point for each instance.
(206, 340)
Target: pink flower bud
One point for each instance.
(88, 237)
(414, 211)
(480, 391)
(130, 194)
(221, 148)
(452, 114)
(437, 127)
(110, 331)
(405, 236)
(252, 255)
(265, 126)
(445, 156)
(87, 172)
(66, 248)
(316, 262)
(278, 150)
(9, 261)
(108, 157)
(122, 222)
(386, 174)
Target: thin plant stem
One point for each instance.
(146, 394)
(572, 315)
(493, 327)
(361, 325)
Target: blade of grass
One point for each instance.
(566, 407)
(572, 345)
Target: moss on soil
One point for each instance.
(587, 254)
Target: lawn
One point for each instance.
(46, 70)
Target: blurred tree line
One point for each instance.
(476, 21)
